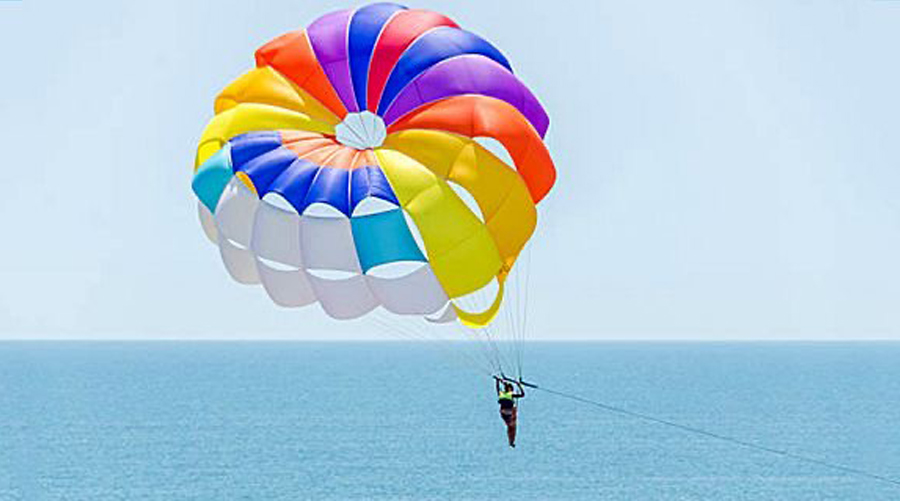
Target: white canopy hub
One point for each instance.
(362, 131)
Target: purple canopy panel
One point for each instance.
(328, 37)
(468, 74)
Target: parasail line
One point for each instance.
(720, 437)
(398, 329)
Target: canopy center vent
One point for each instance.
(362, 131)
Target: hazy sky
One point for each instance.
(726, 169)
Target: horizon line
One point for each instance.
(440, 341)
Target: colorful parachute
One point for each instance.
(342, 169)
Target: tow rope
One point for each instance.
(717, 436)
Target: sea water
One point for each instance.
(345, 421)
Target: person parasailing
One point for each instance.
(507, 397)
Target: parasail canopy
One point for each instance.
(384, 157)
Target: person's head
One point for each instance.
(507, 387)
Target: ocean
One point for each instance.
(372, 421)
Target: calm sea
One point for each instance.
(288, 421)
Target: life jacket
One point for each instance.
(505, 395)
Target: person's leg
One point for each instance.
(511, 428)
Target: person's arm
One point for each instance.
(497, 384)
(521, 392)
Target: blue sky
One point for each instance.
(727, 170)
